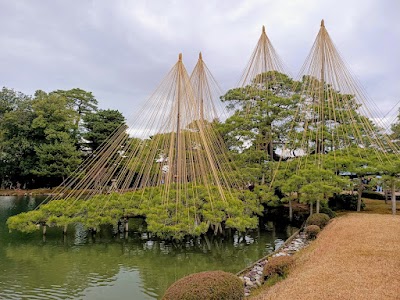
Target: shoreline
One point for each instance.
(20, 192)
(345, 253)
(252, 275)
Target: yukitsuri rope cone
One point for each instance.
(263, 99)
(173, 169)
(334, 108)
(332, 130)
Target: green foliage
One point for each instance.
(345, 202)
(278, 265)
(320, 219)
(58, 159)
(309, 184)
(373, 195)
(211, 285)
(27, 222)
(340, 126)
(396, 129)
(82, 102)
(260, 120)
(41, 136)
(10, 100)
(312, 231)
(53, 124)
(391, 177)
(327, 211)
(17, 153)
(273, 279)
(171, 219)
(100, 125)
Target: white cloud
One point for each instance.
(121, 50)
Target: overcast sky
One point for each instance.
(121, 50)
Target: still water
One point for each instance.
(80, 266)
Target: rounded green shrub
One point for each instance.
(210, 285)
(312, 231)
(318, 219)
(328, 211)
(278, 265)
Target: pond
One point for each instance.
(107, 266)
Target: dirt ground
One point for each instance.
(357, 256)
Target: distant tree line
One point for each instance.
(44, 137)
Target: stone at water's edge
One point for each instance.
(254, 277)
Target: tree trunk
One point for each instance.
(207, 242)
(271, 152)
(273, 231)
(317, 207)
(65, 229)
(126, 225)
(311, 208)
(218, 228)
(44, 228)
(393, 197)
(386, 195)
(360, 188)
(290, 211)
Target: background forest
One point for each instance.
(44, 137)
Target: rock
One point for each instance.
(254, 277)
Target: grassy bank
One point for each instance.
(380, 207)
(357, 256)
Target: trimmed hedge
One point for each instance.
(372, 195)
(318, 219)
(210, 285)
(345, 202)
(278, 265)
(328, 211)
(312, 231)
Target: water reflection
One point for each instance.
(106, 266)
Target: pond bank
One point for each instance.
(252, 276)
(20, 192)
(357, 256)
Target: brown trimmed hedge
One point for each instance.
(210, 285)
(312, 231)
(278, 265)
(321, 220)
